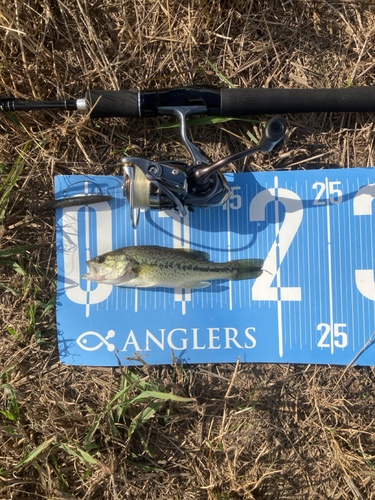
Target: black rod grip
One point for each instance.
(110, 103)
(239, 102)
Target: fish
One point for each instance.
(154, 266)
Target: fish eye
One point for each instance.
(100, 259)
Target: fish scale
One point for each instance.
(154, 266)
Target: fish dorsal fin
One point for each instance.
(197, 254)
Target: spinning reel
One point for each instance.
(175, 185)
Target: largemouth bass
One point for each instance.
(154, 266)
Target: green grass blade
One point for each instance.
(11, 432)
(13, 119)
(15, 292)
(145, 415)
(220, 74)
(66, 448)
(7, 371)
(14, 265)
(252, 137)
(165, 396)
(11, 180)
(6, 252)
(119, 395)
(62, 407)
(14, 333)
(84, 456)
(30, 314)
(8, 415)
(134, 381)
(12, 406)
(35, 453)
(112, 424)
(62, 484)
(47, 307)
(78, 452)
(89, 438)
(146, 444)
(145, 395)
(10, 175)
(206, 120)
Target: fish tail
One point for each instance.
(248, 268)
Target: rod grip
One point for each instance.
(111, 103)
(239, 102)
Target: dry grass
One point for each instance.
(259, 432)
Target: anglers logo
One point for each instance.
(83, 340)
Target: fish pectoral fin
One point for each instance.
(197, 285)
(197, 254)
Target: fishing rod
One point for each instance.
(174, 184)
(223, 102)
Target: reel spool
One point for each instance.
(136, 189)
(155, 186)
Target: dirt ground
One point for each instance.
(250, 431)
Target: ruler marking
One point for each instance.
(361, 267)
(372, 255)
(362, 297)
(87, 242)
(329, 252)
(229, 256)
(278, 280)
(308, 268)
(339, 260)
(239, 246)
(136, 290)
(351, 261)
(298, 268)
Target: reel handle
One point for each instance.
(272, 135)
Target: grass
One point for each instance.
(10, 181)
(168, 432)
(133, 411)
(6, 188)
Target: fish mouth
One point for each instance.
(95, 274)
(89, 277)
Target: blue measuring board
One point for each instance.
(314, 302)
